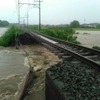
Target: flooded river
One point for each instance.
(89, 38)
(12, 71)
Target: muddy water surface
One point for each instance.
(12, 71)
(2, 30)
(89, 38)
(11, 63)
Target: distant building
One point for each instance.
(91, 25)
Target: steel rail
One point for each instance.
(71, 44)
(89, 62)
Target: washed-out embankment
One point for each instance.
(13, 70)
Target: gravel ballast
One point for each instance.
(75, 81)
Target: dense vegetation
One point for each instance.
(76, 24)
(4, 23)
(9, 37)
(96, 47)
(64, 33)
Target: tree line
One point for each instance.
(4, 23)
(76, 24)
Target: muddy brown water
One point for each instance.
(89, 38)
(11, 63)
(12, 71)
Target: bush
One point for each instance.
(64, 34)
(75, 24)
(33, 27)
(9, 37)
(96, 47)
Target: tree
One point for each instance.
(98, 26)
(0, 23)
(75, 24)
(4, 23)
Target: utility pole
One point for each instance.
(39, 15)
(35, 5)
(16, 34)
(84, 21)
(27, 19)
(19, 12)
(23, 22)
(39, 1)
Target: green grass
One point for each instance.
(96, 47)
(32, 27)
(9, 36)
(63, 34)
(86, 29)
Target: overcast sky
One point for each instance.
(53, 11)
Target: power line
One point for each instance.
(34, 5)
(16, 5)
(39, 1)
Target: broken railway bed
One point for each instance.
(77, 77)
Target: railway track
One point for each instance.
(74, 78)
(70, 51)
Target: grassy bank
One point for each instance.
(67, 34)
(86, 29)
(96, 47)
(9, 36)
